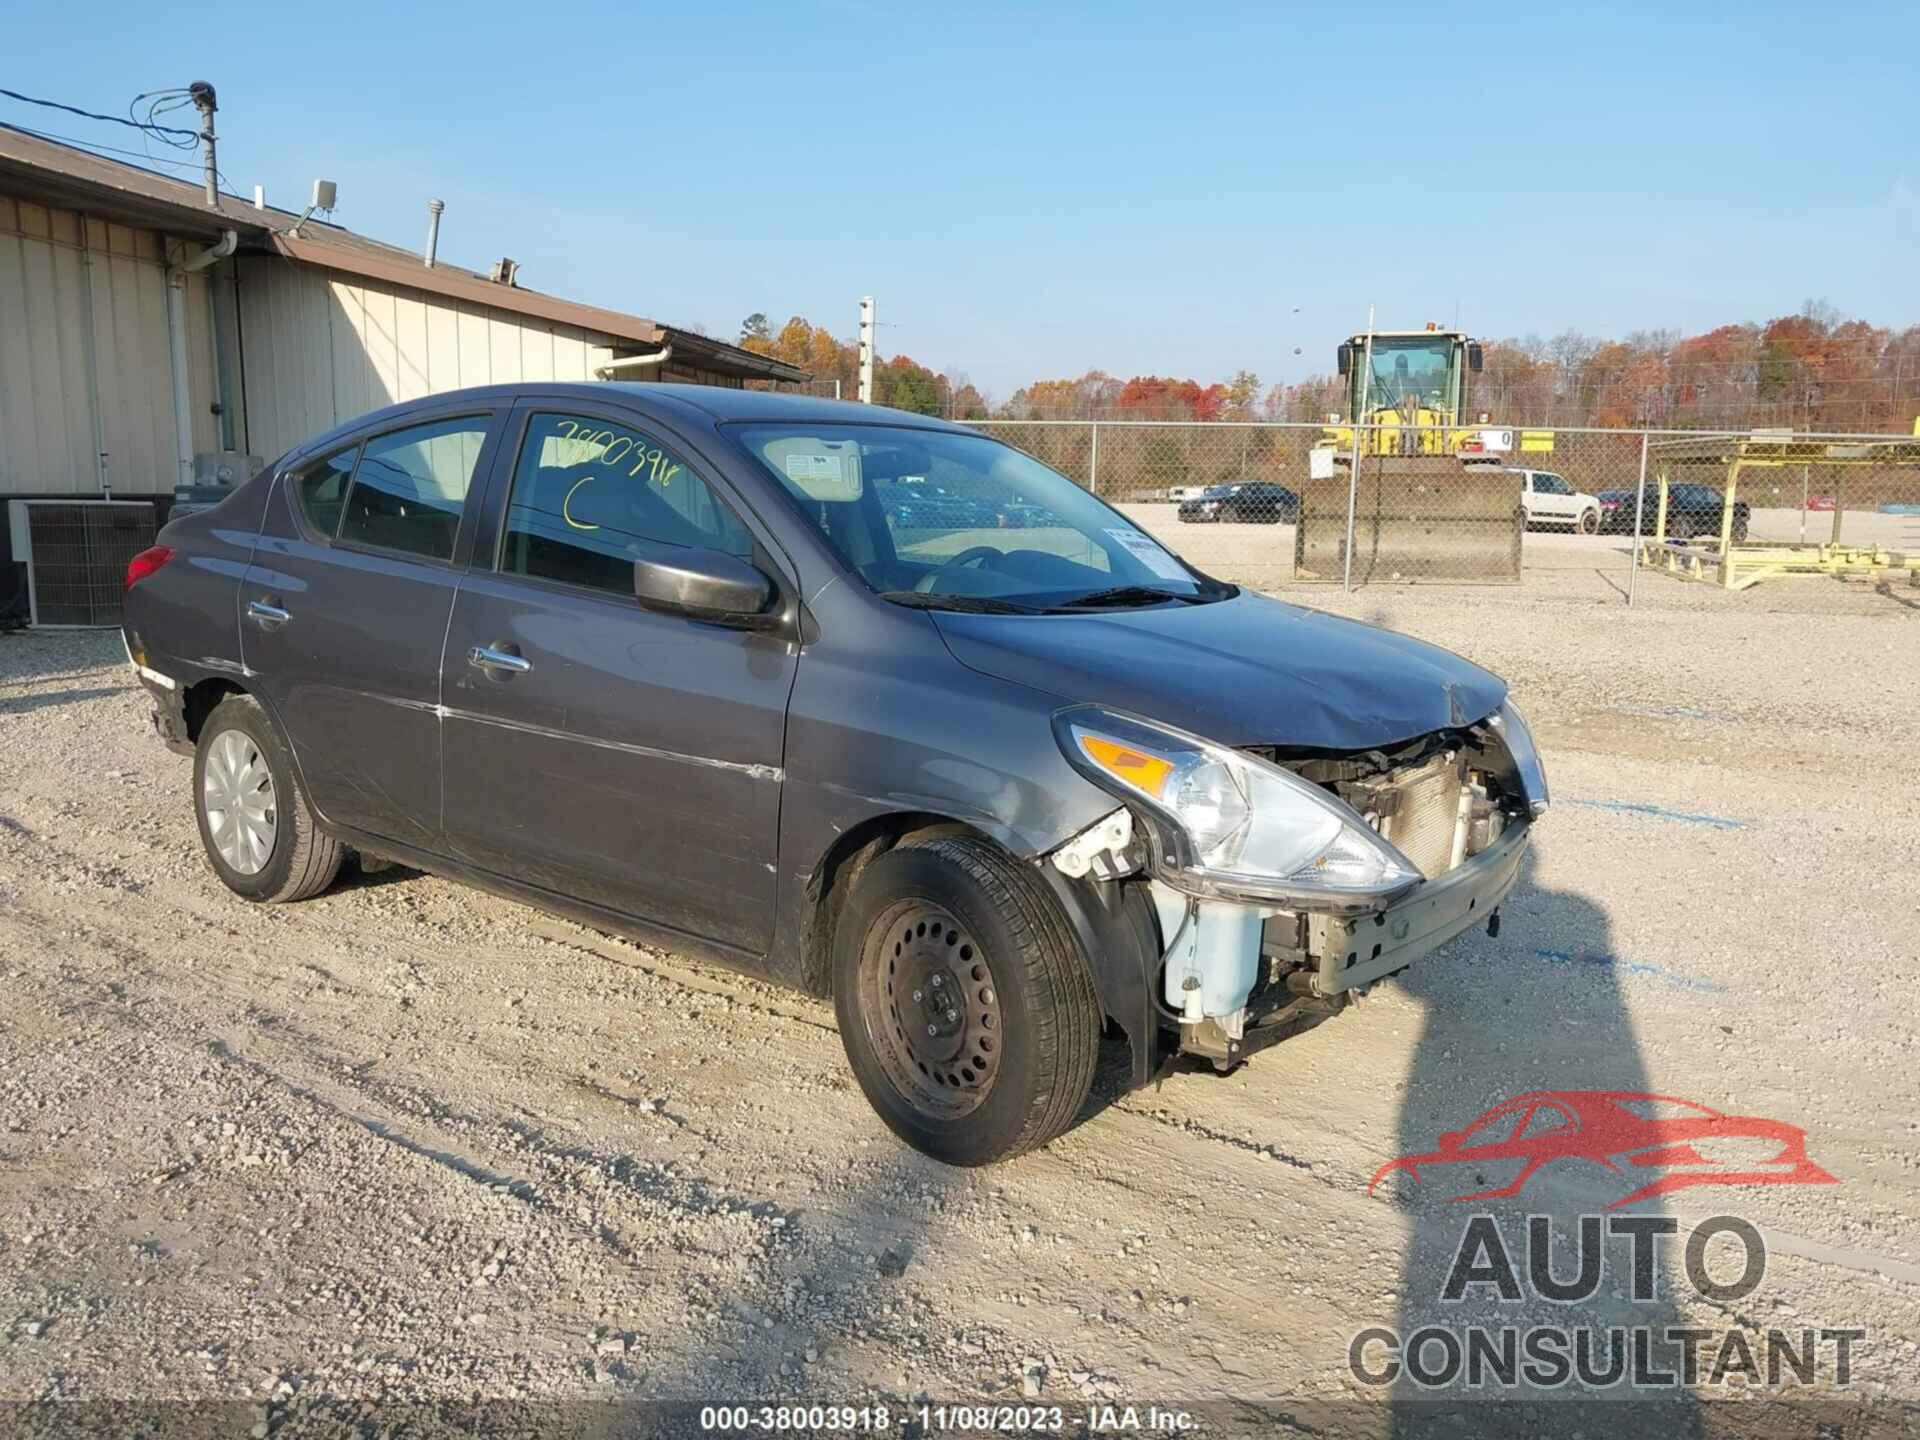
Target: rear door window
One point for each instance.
(410, 487)
(320, 490)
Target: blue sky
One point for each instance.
(1173, 189)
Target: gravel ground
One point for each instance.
(408, 1142)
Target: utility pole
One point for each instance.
(866, 349)
(205, 103)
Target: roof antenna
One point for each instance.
(325, 192)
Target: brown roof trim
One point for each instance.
(456, 284)
(77, 179)
(399, 268)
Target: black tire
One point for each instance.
(1589, 522)
(1035, 1009)
(1739, 525)
(303, 861)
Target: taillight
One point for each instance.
(145, 563)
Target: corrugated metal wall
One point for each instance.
(84, 359)
(321, 347)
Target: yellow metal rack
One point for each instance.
(1736, 564)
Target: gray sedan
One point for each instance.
(704, 667)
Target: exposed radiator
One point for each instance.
(1416, 809)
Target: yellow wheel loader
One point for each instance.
(1433, 497)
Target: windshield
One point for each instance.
(953, 521)
(1420, 370)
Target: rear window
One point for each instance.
(321, 489)
(411, 485)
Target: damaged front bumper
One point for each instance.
(1237, 977)
(1346, 952)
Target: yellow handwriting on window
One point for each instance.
(579, 444)
(566, 506)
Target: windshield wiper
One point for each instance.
(963, 604)
(1121, 595)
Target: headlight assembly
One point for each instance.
(1230, 826)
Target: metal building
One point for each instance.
(146, 336)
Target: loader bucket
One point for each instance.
(1416, 518)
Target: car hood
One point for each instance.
(1245, 671)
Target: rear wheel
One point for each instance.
(255, 823)
(965, 1004)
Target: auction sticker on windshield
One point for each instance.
(1148, 552)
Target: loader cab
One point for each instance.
(1408, 370)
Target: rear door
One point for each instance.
(1529, 501)
(344, 610)
(593, 748)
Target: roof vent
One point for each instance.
(505, 271)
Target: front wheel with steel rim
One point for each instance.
(1589, 522)
(254, 819)
(966, 1005)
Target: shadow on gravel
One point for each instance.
(61, 655)
(22, 704)
(360, 874)
(1495, 1031)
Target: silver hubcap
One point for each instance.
(236, 791)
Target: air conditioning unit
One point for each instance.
(76, 554)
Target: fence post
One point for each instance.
(1353, 498)
(1639, 503)
(1093, 459)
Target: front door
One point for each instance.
(593, 748)
(344, 609)
(1553, 499)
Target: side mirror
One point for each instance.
(1476, 357)
(1344, 357)
(704, 585)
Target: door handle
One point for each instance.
(261, 613)
(485, 657)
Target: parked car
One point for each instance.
(1692, 510)
(1550, 500)
(648, 656)
(1257, 502)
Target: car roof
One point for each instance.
(715, 403)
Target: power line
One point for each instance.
(148, 126)
(95, 147)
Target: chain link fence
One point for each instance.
(1270, 504)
